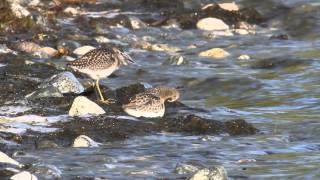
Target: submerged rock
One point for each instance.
(24, 175)
(175, 60)
(214, 53)
(82, 106)
(183, 168)
(213, 173)
(84, 141)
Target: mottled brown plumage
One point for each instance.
(151, 102)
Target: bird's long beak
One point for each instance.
(128, 58)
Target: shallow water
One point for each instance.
(281, 100)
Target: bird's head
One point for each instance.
(124, 58)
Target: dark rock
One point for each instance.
(280, 36)
(279, 62)
(188, 20)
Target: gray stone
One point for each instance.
(182, 168)
(175, 60)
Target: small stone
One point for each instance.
(82, 50)
(244, 57)
(84, 141)
(82, 106)
(229, 6)
(214, 53)
(47, 144)
(49, 51)
(214, 173)
(24, 175)
(8, 160)
(182, 168)
(71, 11)
(211, 24)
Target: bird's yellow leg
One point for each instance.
(102, 99)
(99, 91)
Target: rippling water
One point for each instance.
(281, 100)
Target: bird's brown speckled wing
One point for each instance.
(95, 59)
(144, 101)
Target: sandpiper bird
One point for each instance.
(100, 63)
(150, 103)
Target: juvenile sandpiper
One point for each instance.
(100, 63)
(150, 103)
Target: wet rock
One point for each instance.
(183, 168)
(82, 50)
(229, 6)
(82, 106)
(46, 144)
(65, 82)
(8, 160)
(280, 36)
(213, 173)
(278, 62)
(211, 24)
(57, 85)
(24, 175)
(214, 53)
(7, 171)
(84, 141)
(175, 60)
(244, 57)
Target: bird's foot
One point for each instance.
(108, 101)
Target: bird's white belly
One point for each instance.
(149, 114)
(98, 74)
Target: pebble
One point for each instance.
(244, 57)
(8, 160)
(214, 173)
(136, 23)
(84, 141)
(163, 47)
(24, 175)
(82, 106)
(83, 50)
(211, 24)
(217, 53)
